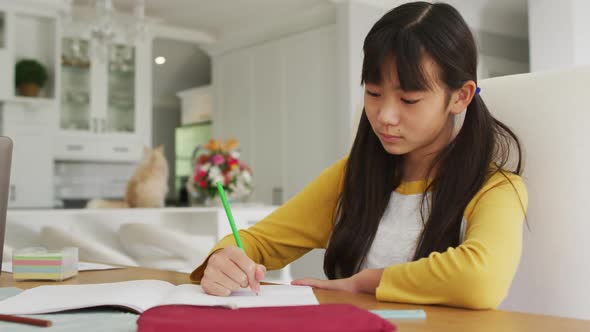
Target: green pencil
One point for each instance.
(230, 217)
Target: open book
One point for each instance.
(140, 295)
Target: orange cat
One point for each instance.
(148, 186)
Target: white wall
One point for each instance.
(550, 46)
(581, 32)
(164, 122)
(245, 94)
(491, 66)
(559, 34)
(187, 66)
(503, 17)
(279, 99)
(502, 40)
(355, 19)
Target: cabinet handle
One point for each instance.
(94, 125)
(120, 149)
(71, 147)
(12, 192)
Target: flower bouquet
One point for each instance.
(217, 161)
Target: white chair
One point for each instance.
(551, 115)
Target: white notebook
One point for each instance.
(140, 295)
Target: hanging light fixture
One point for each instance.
(103, 30)
(140, 26)
(104, 26)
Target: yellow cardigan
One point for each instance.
(477, 274)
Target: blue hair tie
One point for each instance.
(477, 90)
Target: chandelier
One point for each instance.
(106, 25)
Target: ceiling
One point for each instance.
(218, 17)
(213, 16)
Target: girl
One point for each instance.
(421, 211)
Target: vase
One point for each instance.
(212, 202)
(29, 89)
(202, 199)
(196, 198)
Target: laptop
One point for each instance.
(5, 159)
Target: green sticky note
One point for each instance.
(400, 314)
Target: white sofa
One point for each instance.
(551, 114)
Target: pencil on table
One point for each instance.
(25, 320)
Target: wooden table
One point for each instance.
(439, 319)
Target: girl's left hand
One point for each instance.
(346, 284)
(365, 281)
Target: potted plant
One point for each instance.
(30, 76)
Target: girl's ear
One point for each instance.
(462, 97)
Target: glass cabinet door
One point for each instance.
(75, 87)
(121, 90)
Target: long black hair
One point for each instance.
(409, 33)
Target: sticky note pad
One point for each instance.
(400, 314)
(42, 264)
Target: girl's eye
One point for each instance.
(373, 94)
(409, 101)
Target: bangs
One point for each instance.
(405, 48)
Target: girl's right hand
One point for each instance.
(228, 270)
